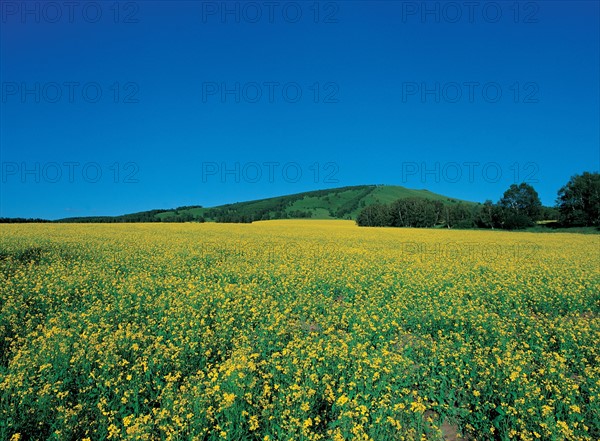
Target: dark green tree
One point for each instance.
(459, 216)
(415, 212)
(486, 215)
(375, 215)
(579, 200)
(521, 206)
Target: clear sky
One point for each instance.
(110, 108)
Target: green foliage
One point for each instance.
(460, 216)
(549, 214)
(579, 200)
(21, 220)
(415, 212)
(419, 213)
(375, 215)
(489, 216)
(521, 206)
(353, 203)
(385, 205)
(337, 203)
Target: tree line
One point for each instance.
(578, 204)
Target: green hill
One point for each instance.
(335, 203)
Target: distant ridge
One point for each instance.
(334, 203)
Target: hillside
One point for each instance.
(335, 203)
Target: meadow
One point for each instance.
(297, 330)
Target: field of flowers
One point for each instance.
(297, 330)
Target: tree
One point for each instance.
(549, 213)
(486, 215)
(375, 215)
(521, 206)
(459, 216)
(579, 200)
(415, 213)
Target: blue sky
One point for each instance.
(111, 108)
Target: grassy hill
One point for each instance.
(335, 203)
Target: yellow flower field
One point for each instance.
(297, 330)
